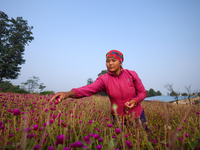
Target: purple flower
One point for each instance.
(86, 138)
(90, 121)
(45, 124)
(118, 130)
(11, 135)
(197, 113)
(107, 119)
(114, 137)
(72, 145)
(54, 116)
(40, 128)
(96, 136)
(1, 123)
(128, 143)
(27, 130)
(60, 139)
(155, 141)
(180, 139)
(187, 135)
(36, 147)
(99, 147)
(67, 148)
(35, 127)
(78, 144)
(167, 144)
(88, 142)
(109, 125)
(91, 135)
(179, 129)
(100, 140)
(16, 112)
(2, 127)
(51, 121)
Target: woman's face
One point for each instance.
(113, 65)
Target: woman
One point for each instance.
(123, 87)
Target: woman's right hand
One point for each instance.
(58, 97)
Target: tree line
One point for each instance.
(26, 87)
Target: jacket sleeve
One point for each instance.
(91, 89)
(141, 93)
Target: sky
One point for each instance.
(160, 40)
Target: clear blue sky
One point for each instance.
(160, 40)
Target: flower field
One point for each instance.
(31, 121)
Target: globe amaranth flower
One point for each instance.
(129, 145)
(187, 135)
(16, 112)
(100, 140)
(72, 145)
(36, 147)
(35, 127)
(91, 135)
(109, 125)
(11, 135)
(114, 137)
(1, 123)
(99, 147)
(60, 139)
(51, 121)
(118, 130)
(40, 128)
(78, 144)
(96, 136)
(86, 138)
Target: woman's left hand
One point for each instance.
(130, 104)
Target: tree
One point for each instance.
(189, 93)
(151, 92)
(102, 72)
(103, 93)
(184, 94)
(7, 86)
(89, 81)
(158, 93)
(31, 83)
(41, 87)
(170, 88)
(15, 34)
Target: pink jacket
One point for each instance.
(120, 89)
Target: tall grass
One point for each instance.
(87, 124)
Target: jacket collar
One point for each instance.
(114, 74)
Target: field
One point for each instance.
(30, 121)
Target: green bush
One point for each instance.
(47, 92)
(7, 86)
